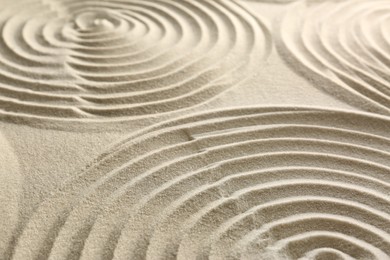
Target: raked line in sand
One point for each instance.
(268, 183)
(101, 61)
(342, 47)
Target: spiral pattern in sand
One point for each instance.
(106, 60)
(268, 183)
(343, 47)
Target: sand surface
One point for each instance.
(208, 129)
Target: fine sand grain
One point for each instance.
(275, 182)
(10, 192)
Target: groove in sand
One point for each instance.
(94, 61)
(342, 47)
(269, 182)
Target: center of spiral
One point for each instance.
(96, 21)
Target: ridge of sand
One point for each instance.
(10, 192)
(107, 61)
(341, 47)
(281, 182)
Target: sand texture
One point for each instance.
(183, 129)
(108, 61)
(10, 194)
(346, 43)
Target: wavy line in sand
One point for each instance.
(114, 60)
(342, 47)
(10, 191)
(253, 182)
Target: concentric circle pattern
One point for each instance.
(75, 60)
(252, 183)
(346, 44)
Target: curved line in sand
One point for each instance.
(105, 61)
(227, 183)
(341, 48)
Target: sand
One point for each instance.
(120, 61)
(210, 129)
(346, 44)
(10, 195)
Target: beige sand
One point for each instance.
(207, 129)
(281, 182)
(346, 44)
(123, 61)
(10, 195)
